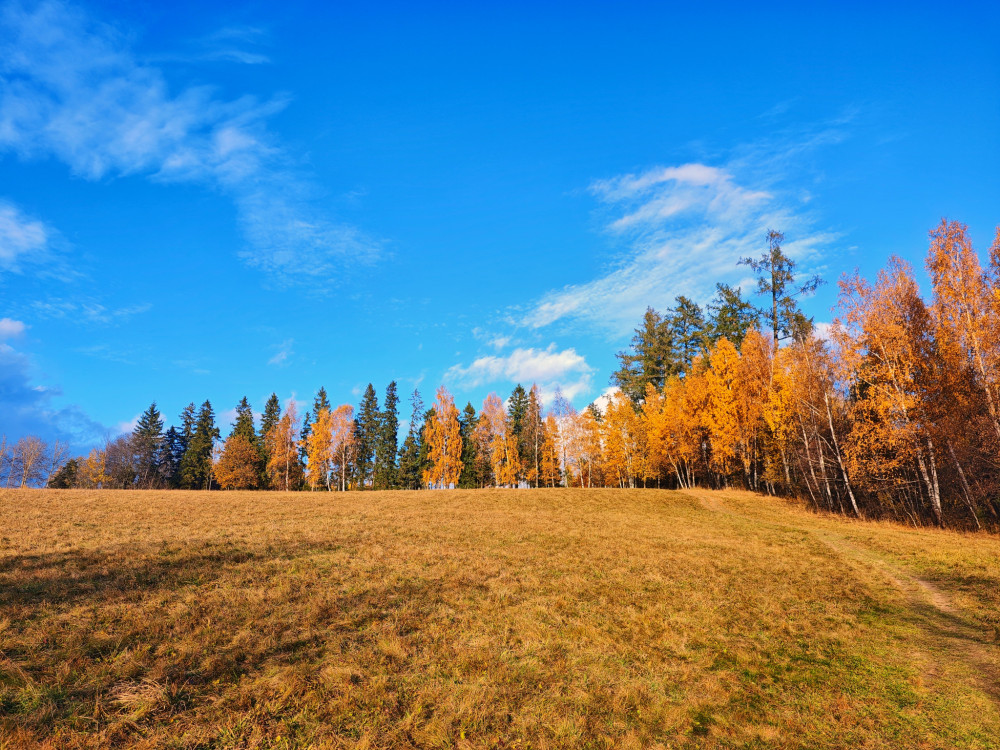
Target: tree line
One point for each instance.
(894, 411)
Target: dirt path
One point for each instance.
(950, 640)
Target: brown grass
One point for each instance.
(514, 619)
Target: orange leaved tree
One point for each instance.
(443, 436)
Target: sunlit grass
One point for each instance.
(554, 618)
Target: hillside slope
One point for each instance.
(550, 618)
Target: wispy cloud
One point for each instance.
(24, 240)
(549, 368)
(284, 351)
(86, 310)
(228, 44)
(682, 229)
(72, 88)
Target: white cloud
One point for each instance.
(10, 328)
(683, 229)
(280, 357)
(72, 88)
(602, 401)
(22, 238)
(128, 426)
(548, 368)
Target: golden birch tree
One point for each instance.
(444, 441)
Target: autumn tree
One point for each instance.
(624, 445)
(238, 467)
(343, 445)
(495, 439)
(723, 419)
(550, 474)
(319, 449)
(284, 469)
(444, 441)
(884, 334)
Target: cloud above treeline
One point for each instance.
(680, 229)
(72, 88)
(550, 368)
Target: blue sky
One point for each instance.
(201, 202)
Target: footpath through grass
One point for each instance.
(511, 619)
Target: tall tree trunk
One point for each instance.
(965, 485)
(935, 499)
(840, 460)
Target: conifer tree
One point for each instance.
(517, 413)
(67, 476)
(688, 334)
(269, 419)
(385, 446)
(410, 467)
(467, 424)
(650, 359)
(321, 401)
(776, 280)
(196, 464)
(243, 425)
(307, 421)
(730, 316)
(533, 438)
(366, 430)
(147, 442)
(170, 457)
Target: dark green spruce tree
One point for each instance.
(730, 316)
(388, 436)
(650, 359)
(243, 425)
(173, 450)
(517, 412)
(196, 464)
(410, 469)
(467, 422)
(268, 421)
(66, 477)
(148, 445)
(688, 334)
(366, 429)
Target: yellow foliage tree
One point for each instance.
(444, 441)
(343, 444)
(624, 441)
(723, 419)
(283, 467)
(320, 450)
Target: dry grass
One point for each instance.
(512, 619)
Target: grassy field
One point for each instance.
(509, 619)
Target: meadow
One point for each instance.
(493, 618)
